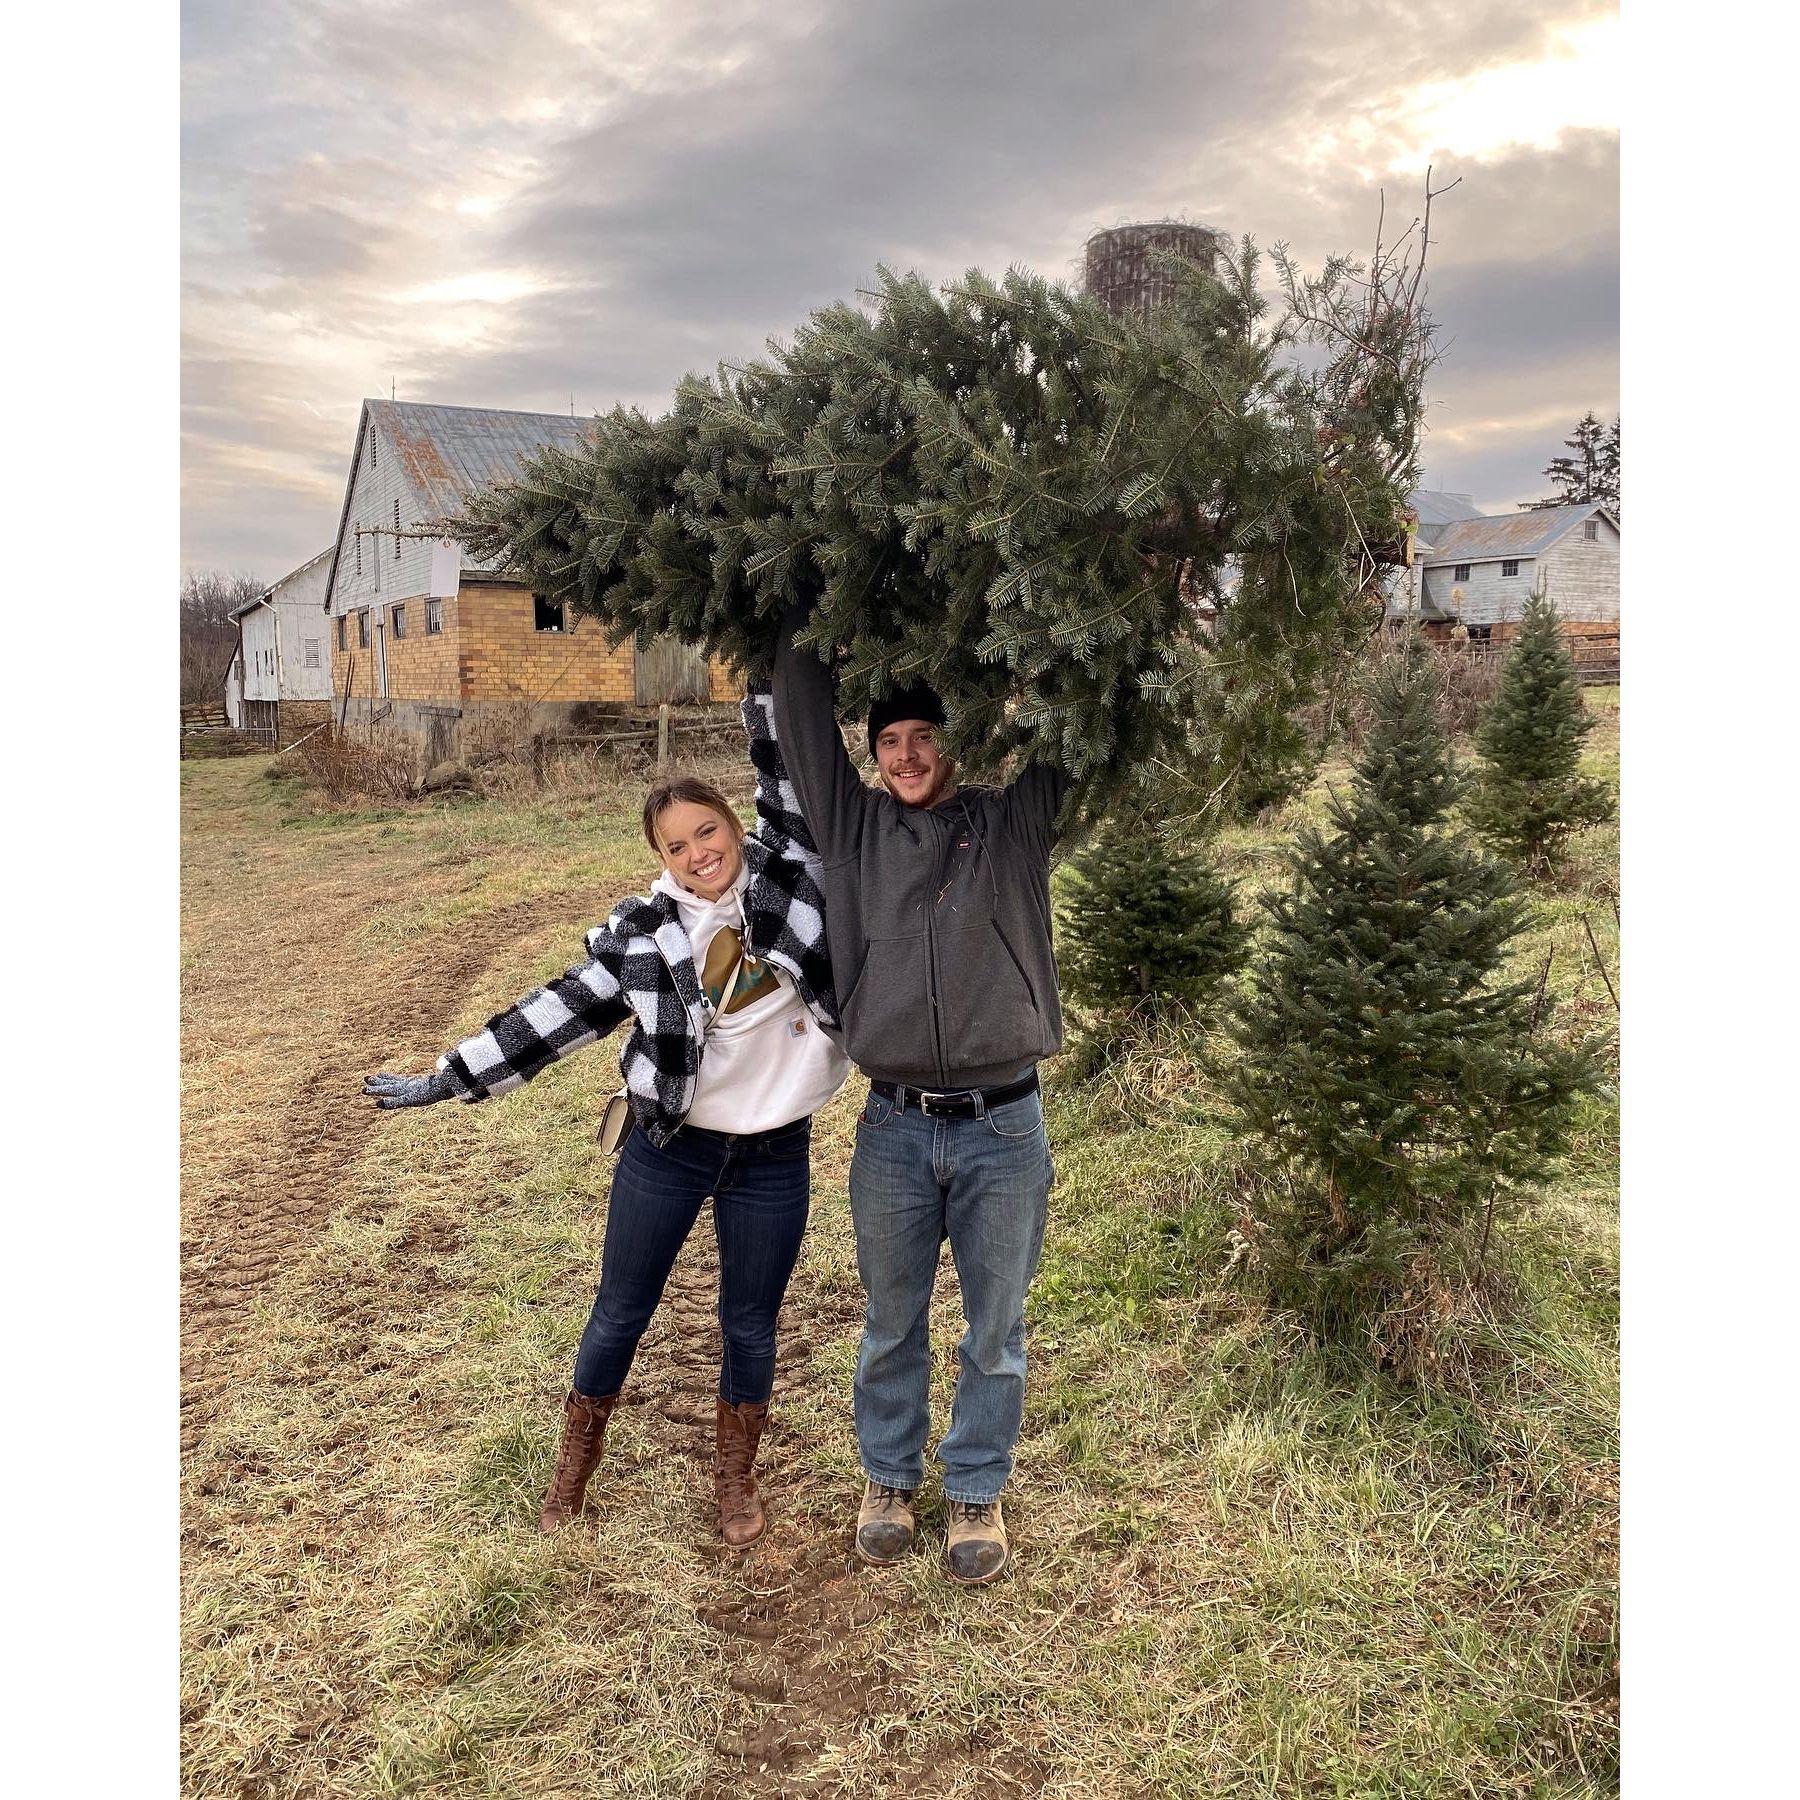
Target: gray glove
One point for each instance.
(409, 1090)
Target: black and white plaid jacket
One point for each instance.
(641, 965)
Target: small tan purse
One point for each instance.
(617, 1120)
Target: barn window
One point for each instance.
(359, 549)
(434, 617)
(399, 614)
(1509, 567)
(372, 462)
(343, 631)
(1462, 572)
(547, 614)
(311, 652)
(1479, 634)
(362, 629)
(1591, 531)
(396, 531)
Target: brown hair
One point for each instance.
(695, 792)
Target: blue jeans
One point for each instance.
(759, 1183)
(984, 1184)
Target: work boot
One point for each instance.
(884, 1524)
(976, 1548)
(584, 1425)
(737, 1430)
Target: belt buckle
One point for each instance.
(925, 1100)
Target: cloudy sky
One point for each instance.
(524, 203)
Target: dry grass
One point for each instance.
(1246, 1566)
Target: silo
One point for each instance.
(1121, 272)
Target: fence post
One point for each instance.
(662, 738)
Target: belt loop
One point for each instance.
(899, 1099)
(980, 1104)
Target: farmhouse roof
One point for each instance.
(1509, 535)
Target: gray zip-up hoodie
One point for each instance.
(943, 964)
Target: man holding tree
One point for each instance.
(938, 923)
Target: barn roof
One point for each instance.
(1509, 535)
(451, 452)
(1435, 508)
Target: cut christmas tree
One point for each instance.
(1104, 540)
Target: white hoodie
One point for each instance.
(764, 1062)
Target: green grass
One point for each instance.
(1248, 1564)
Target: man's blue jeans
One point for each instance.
(984, 1184)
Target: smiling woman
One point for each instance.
(721, 969)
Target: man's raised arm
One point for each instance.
(831, 793)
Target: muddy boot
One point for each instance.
(584, 1425)
(737, 1430)
(976, 1548)
(884, 1524)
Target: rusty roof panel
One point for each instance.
(1508, 535)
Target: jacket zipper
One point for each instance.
(931, 963)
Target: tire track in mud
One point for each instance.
(277, 1204)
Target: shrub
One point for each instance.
(1398, 1084)
(371, 765)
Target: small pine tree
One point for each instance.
(1531, 796)
(1147, 926)
(1388, 1068)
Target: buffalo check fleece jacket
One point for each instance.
(640, 966)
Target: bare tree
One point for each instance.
(208, 636)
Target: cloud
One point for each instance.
(509, 204)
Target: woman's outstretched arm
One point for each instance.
(576, 1009)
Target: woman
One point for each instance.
(723, 966)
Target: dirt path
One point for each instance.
(790, 1613)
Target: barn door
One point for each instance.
(381, 685)
(671, 672)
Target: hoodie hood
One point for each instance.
(701, 918)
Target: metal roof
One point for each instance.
(448, 453)
(1509, 535)
(451, 452)
(1436, 508)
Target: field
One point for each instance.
(1245, 1566)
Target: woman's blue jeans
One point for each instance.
(984, 1184)
(759, 1184)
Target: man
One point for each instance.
(937, 918)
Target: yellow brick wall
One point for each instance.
(491, 649)
(503, 656)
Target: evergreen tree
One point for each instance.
(1531, 795)
(1591, 469)
(1002, 486)
(1147, 927)
(1390, 1071)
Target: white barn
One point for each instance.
(279, 685)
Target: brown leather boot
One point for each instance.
(584, 1425)
(737, 1430)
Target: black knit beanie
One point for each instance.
(907, 703)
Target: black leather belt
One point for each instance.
(964, 1103)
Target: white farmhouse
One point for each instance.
(1472, 573)
(279, 685)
